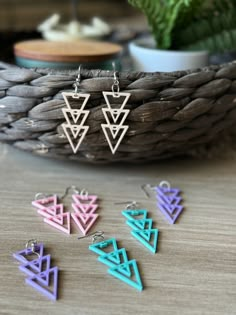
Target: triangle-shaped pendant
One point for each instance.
(84, 221)
(60, 222)
(98, 248)
(131, 214)
(128, 273)
(148, 238)
(39, 283)
(115, 258)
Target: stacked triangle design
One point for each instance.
(40, 275)
(53, 213)
(169, 202)
(114, 129)
(142, 228)
(117, 260)
(74, 131)
(84, 215)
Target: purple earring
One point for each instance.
(40, 274)
(168, 200)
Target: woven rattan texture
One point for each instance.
(171, 113)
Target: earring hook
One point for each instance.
(129, 204)
(98, 235)
(73, 188)
(77, 80)
(145, 188)
(116, 85)
(32, 245)
(41, 196)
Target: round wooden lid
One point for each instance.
(76, 51)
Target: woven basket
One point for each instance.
(170, 113)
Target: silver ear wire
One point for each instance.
(41, 196)
(32, 245)
(145, 188)
(116, 84)
(129, 204)
(77, 80)
(73, 188)
(98, 235)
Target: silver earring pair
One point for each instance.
(115, 115)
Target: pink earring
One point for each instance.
(84, 206)
(52, 210)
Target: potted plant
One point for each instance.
(184, 33)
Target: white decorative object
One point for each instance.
(52, 30)
(147, 58)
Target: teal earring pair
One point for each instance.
(120, 266)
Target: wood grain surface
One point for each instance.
(194, 271)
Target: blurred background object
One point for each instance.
(25, 15)
(19, 19)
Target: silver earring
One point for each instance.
(114, 129)
(74, 128)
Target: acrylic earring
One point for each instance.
(117, 260)
(168, 200)
(49, 207)
(141, 225)
(114, 129)
(40, 275)
(74, 128)
(84, 206)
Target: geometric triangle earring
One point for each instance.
(168, 200)
(40, 274)
(142, 226)
(84, 206)
(52, 211)
(117, 260)
(75, 116)
(115, 115)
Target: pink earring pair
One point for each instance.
(84, 206)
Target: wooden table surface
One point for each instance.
(194, 271)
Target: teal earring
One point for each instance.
(116, 259)
(141, 225)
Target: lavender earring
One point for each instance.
(168, 200)
(40, 275)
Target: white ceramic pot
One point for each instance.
(147, 58)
